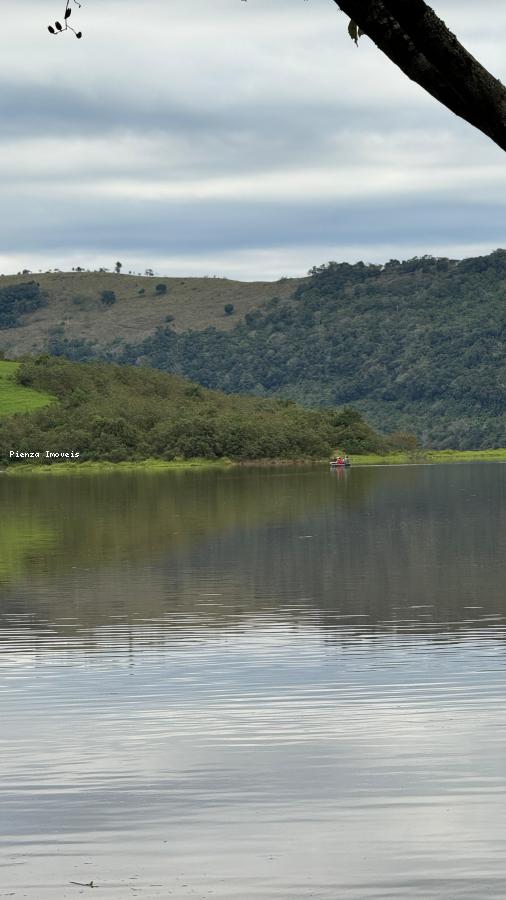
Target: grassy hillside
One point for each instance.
(120, 413)
(14, 397)
(73, 310)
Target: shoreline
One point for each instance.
(430, 457)
(106, 467)
(426, 457)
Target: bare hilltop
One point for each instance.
(74, 307)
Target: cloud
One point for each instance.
(234, 128)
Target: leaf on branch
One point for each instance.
(59, 27)
(79, 34)
(353, 31)
(51, 29)
(67, 12)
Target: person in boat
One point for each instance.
(340, 461)
(346, 459)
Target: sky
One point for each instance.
(251, 140)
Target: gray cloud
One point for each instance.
(191, 227)
(234, 129)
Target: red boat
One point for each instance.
(340, 463)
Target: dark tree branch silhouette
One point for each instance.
(419, 43)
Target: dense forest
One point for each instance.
(116, 413)
(415, 345)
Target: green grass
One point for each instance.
(498, 455)
(14, 398)
(96, 468)
(391, 459)
(431, 456)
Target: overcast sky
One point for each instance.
(252, 140)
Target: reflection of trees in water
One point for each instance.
(423, 546)
(58, 525)
(22, 542)
(97, 520)
(352, 557)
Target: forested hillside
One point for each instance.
(117, 413)
(417, 345)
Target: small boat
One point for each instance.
(339, 464)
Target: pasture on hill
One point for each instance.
(73, 309)
(15, 398)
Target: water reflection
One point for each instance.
(254, 684)
(416, 546)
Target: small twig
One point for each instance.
(82, 884)
(59, 28)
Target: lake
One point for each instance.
(254, 683)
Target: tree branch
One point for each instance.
(420, 44)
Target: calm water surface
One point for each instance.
(254, 684)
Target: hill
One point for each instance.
(116, 413)
(416, 346)
(69, 306)
(14, 397)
